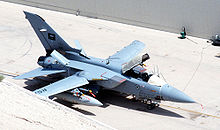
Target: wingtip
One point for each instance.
(17, 77)
(138, 42)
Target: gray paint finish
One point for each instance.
(200, 17)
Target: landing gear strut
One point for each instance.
(151, 105)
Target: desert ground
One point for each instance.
(191, 65)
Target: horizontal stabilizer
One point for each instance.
(60, 58)
(63, 85)
(38, 72)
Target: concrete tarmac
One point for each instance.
(191, 65)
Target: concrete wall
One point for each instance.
(200, 17)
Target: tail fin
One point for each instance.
(48, 37)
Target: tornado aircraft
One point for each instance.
(86, 76)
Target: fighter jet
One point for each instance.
(85, 76)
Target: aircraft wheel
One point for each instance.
(151, 106)
(157, 105)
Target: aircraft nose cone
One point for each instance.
(172, 94)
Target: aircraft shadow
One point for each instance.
(110, 97)
(106, 97)
(10, 75)
(39, 82)
(218, 56)
(71, 105)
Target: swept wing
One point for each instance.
(89, 71)
(129, 56)
(68, 83)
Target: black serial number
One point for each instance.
(41, 91)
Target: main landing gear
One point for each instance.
(151, 105)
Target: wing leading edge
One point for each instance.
(68, 83)
(38, 72)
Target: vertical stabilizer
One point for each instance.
(48, 37)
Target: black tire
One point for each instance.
(151, 106)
